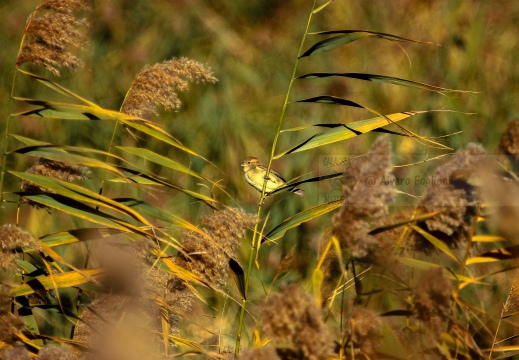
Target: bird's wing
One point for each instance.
(277, 175)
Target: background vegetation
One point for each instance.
(251, 48)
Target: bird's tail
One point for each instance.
(297, 191)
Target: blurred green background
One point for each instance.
(251, 47)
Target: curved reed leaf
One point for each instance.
(76, 235)
(159, 159)
(381, 229)
(80, 210)
(322, 7)
(79, 193)
(291, 185)
(239, 276)
(68, 279)
(390, 344)
(333, 100)
(56, 87)
(58, 153)
(141, 178)
(384, 79)
(159, 214)
(66, 111)
(501, 254)
(348, 36)
(341, 132)
(440, 245)
(299, 218)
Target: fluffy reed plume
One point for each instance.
(122, 324)
(432, 301)
(207, 256)
(509, 144)
(17, 353)
(12, 238)
(367, 193)
(9, 326)
(54, 169)
(365, 329)
(293, 322)
(50, 352)
(159, 84)
(453, 195)
(51, 30)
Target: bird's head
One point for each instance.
(249, 163)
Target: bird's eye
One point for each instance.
(248, 162)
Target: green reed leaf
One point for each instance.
(501, 254)
(383, 79)
(299, 218)
(79, 194)
(239, 276)
(142, 178)
(159, 159)
(77, 235)
(58, 153)
(340, 132)
(64, 280)
(82, 211)
(348, 36)
(156, 213)
(440, 245)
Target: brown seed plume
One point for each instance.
(367, 193)
(54, 169)
(159, 84)
(453, 195)
(207, 256)
(432, 300)
(292, 320)
(12, 238)
(51, 30)
(365, 329)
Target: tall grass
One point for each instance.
(122, 229)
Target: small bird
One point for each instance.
(255, 175)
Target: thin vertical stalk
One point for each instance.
(10, 109)
(6, 138)
(255, 239)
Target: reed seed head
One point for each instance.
(53, 169)
(50, 352)
(208, 256)
(432, 300)
(293, 322)
(367, 193)
(12, 238)
(51, 30)
(16, 353)
(10, 324)
(159, 84)
(453, 194)
(365, 329)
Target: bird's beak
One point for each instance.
(242, 164)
